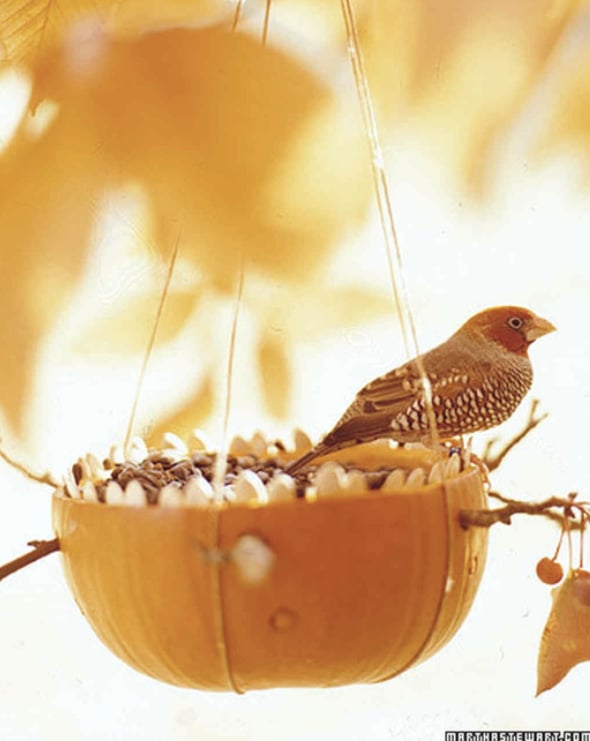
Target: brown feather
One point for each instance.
(477, 377)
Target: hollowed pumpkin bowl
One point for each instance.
(358, 588)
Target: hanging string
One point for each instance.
(381, 185)
(151, 343)
(221, 459)
(266, 22)
(237, 13)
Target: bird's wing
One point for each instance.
(374, 407)
(359, 428)
(397, 390)
(393, 390)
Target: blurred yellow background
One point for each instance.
(126, 128)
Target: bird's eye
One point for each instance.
(515, 322)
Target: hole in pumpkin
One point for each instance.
(283, 619)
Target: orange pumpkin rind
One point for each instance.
(321, 591)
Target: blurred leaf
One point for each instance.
(451, 75)
(275, 373)
(27, 27)
(568, 128)
(124, 325)
(459, 71)
(566, 637)
(282, 318)
(44, 223)
(343, 307)
(200, 122)
(203, 134)
(141, 15)
(288, 317)
(323, 180)
(30, 27)
(194, 412)
(323, 309)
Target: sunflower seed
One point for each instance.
(396, 479)
(199, 440)
(436, 472)
(281, 488)
(453, 466)
(198, 491)
(176, 443)
(136, 450)
(259, 444)
(116, 454)
(248, 486)
(415, 478)
(330, 479)
(89, 493)
(171, 496)
(96, 468)
(71, 484)
(239, 446)
(135, 495)
(302, 441)
(114, 493)
(356, 482)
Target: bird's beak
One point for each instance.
(537, 328)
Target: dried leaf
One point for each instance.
(27, 27)
(203, 134)
(275, 373)
(30, 27)
(566, 637)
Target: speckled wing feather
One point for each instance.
(370, 414)
(397, 398)
(394, 389)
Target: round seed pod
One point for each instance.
(245, 596)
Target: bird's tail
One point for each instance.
(308, 457)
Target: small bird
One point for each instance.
(477, 379)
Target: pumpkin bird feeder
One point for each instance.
(261, 566)
(341, 563)
(346, 584)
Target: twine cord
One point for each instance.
(151, 343)
(382, 193)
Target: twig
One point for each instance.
(548, 514)
(43, 478)
(493, 461)
(41, 548)
(489, 517)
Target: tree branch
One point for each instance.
(546, 508)
(493, 461)
(41, 548)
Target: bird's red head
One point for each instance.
(513, 327)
